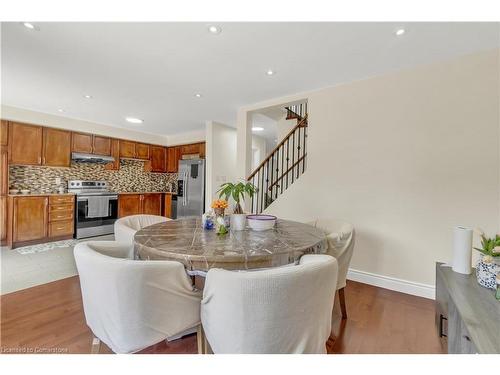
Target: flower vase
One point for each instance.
(487, 270)
(220, 223)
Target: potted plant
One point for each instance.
(237, 192)
(489, 266)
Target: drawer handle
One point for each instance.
(441, 318)
(467, 337)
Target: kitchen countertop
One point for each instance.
(149, 192)
(40, 194)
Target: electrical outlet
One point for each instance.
(58, 180)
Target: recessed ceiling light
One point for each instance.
(214, 29)
(257, 129)
(60, 110)
(134, 120)
(29, 25)
(400, 32)
(87, 96)
(270, 72)
(197, 95)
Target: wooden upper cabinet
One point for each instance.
(190, 149)
(25, 144)
(142, 151)
(56, 147)
(4, 133)
(201, 147)
(127, 149)
(81, 142)
(115, 152)
(158, 159)
(151, 204)
(173, 156)
(30, 218)
(4, 170)
(101, 145)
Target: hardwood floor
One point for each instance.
(49, 319)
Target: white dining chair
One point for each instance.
(278, 310)
(131, 304)
(126, 227)
(340, 236)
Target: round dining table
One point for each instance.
(184, 240)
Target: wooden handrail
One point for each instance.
(287, 171)
(300, 124)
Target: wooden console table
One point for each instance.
(467, 315)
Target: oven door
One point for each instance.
(90, 226)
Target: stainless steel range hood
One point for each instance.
(90, 158)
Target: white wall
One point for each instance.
(259, 150)
(405, 157)
(284, 127)
(221, 160)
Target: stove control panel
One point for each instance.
(80, 184)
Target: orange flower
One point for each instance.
(219, 203)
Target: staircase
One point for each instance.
(285, 163)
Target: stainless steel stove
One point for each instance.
(96, 208)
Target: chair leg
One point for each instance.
(342, 303)
(96, 345)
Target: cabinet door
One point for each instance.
(25, 144)
(201, 147)
(81, 142)
(30, 218)
(142, 151)
(129, 204)
(127, 149)
(167, 205)
(102, 145)
(173, 155)
(158, 159)
(4, 170)
(4, 133)
(115, 152)
(56, 147)
(190, 149)
(151, 204)
(3, 219)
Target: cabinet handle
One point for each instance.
(441, 318)
(467, 337)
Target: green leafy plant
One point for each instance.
(491, 246)
(237, 192)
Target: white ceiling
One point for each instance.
(153, 70)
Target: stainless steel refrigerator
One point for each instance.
(191, 188)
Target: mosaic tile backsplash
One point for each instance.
(129, 178)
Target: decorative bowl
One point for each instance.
(25, 191)
(261, 222)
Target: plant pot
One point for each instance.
(486, 272)
(238, 221)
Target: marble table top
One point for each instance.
(185, 241)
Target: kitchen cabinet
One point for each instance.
(56, 147)
(101, 145)
(81, 142)
(25, 144)
(173, 157)
(142, 151)
(140, 203)
(158, 159)
(202, 147)
(3, 219)
(29, 218)
(190, 149)
(4, 133)
(4, 170)
(151, 204)
(127, 149)
(129, 204)
(115, 152)
(167, 205)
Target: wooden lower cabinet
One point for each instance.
(136, 204)
(129, 204)
(151, 204)
(167, 205)
(3, 220)
(41, 218)
(30, 218)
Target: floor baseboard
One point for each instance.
(392, 283)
